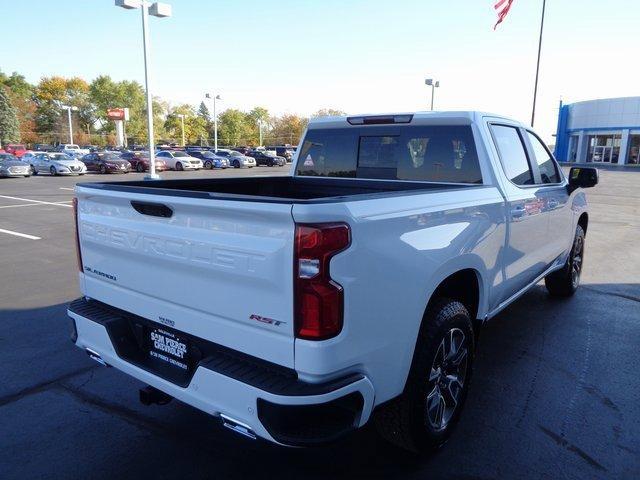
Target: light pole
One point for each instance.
(181, 116)
(260, 129)
(68, 108)
(433, 84)
(160, 10)
(215, 120)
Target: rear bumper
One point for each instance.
(267, 399)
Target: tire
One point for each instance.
(140, 168)
(103, 169)
(34, 171)
(236, 164)
(52, 171)
(208, 165)
(179, 167)
(565, 282)
(421, 419)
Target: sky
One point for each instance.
(360, 56)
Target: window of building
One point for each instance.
(512, 154)
(604, 148)
(546, 165)
(633, 157)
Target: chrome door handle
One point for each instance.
(518, 212)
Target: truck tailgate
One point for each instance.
(216, 269)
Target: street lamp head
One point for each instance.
(437, 84)
(128, 4)
(428, 81)
(161, 10)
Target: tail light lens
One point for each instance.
(319, 302)
(75, 216)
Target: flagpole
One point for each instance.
(535, 88)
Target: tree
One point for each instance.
(233, 127)
(288, 128)
(9, 127)
(328, 112)
(20, 94)
(195, 126)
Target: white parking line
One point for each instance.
(18, 234)
(65, 188)
(59, 204)
(34, 204)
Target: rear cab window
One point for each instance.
(414, 153)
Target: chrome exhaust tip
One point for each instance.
(238, 427)
(96, 356)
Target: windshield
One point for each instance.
(110, 157)
(60, 156)
(72, 147)
(180, 154)
(7, 158)
(235, 154)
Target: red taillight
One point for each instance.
(318, 299)
(75, 216)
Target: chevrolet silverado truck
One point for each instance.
(297, 308)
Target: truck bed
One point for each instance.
(284, 189)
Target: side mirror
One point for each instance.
(582, 177)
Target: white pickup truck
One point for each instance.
(296, 308)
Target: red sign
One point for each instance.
(115, 113)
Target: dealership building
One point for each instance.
(605, 131)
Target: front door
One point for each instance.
(525, 254)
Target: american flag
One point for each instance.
(502, 8)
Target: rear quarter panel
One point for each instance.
(402, 248)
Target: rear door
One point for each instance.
(216, 269)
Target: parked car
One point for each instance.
(285, 151)
(106, 162)
(28, 157)
(363, 278)
(57, 163)
(43, 147)
(11, 166)
(265, 157)
(16, 149)
(72, 149)
(177, 160)
(242, 150)
(140, 162)
(236, 159)
(209, 159)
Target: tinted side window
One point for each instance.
(437, 154)
(512, 154)
(546, 165)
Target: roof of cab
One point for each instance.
(419, 118)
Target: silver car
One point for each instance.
(57, 164)
(10, 166)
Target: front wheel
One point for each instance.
(208, 165)
(179, 167)
(52, 171)
(565, 282)
(140, 168)
(422, 418)
(103, 169)
(236, 164)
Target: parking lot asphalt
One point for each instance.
(555, 392)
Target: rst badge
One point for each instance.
(267, 320)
